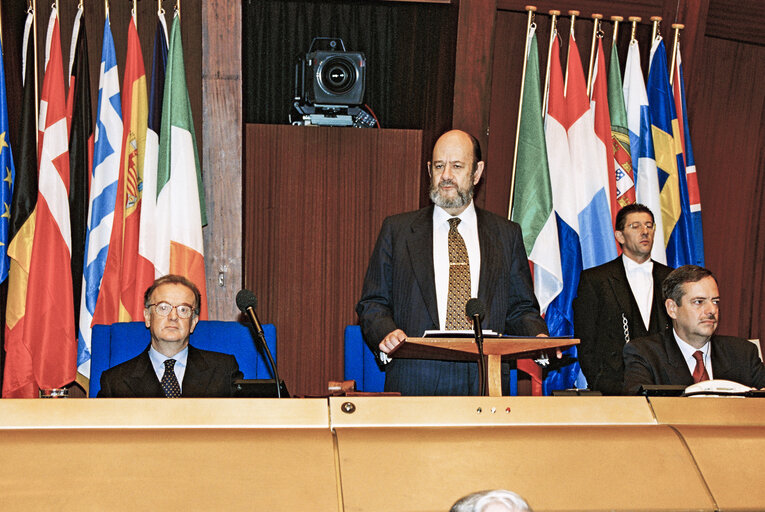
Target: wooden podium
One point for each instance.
(495, 350)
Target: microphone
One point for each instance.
(246, 301)
(476, 310)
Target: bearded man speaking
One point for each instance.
(428, 263)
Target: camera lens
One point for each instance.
(337, 75)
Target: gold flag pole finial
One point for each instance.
(531, 9)
(595, 30)
(573, 14)
(80, 5)
(178, 7)
(134, 13)
(677, 27)
(106, 8)
(635, 20)
(160, 9)
(616, 20)
(656, 20)
(553, 33)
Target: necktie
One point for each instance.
(169, 381)
(459, 279)
(700, 373)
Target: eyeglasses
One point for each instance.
(637, 225)
(163, 309)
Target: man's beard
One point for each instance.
(462, 198)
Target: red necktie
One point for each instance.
(700, 373)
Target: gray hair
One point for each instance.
(478, 501)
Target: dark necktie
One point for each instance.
(700, 373)
(169, 381)
(459, 279)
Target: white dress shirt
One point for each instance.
(640, 278)
(158, 362)
(468, 228)
(689, 350)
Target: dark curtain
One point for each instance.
(409, 49)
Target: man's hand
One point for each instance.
(392, 340)
(558, 352)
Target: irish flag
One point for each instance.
(180, 209)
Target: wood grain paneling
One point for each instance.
(222, 154)
(315, 200)
(727, 115)
(472, 69)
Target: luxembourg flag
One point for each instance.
(641, 145)
(588, 166)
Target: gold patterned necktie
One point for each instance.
(169, 381)
(459, 279)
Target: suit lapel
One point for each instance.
(721, 363)
(677, 369)
(196, 380)
(617, 278)
(142, 381)
(420, 246)
(658, 315)
(491, 263)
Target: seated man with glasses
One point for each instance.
(620, 301)
(170, 367)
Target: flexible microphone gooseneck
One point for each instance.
(247, 302)
(476, 310)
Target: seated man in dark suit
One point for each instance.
(170, 367)
(691, 351)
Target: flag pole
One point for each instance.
(573, 15)
(616, 20)
(531, 9)
(677, 27)
(553, 31)
(656, 21)
(33, 6)
(135, 13)
(635, 20)
(595, 28)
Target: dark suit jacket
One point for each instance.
(208, 374)
(657, 359)
(604, 300)
(399, 292)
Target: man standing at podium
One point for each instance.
(428, 263)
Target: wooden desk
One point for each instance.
(159, 454)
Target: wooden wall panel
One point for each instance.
(727, 114)
(472, 69)
(314, 202)
(222, 154)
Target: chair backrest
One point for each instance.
(360, 363)
(116, 343)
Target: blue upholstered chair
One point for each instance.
(360, 364)
(116, 343)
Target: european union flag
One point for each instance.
(8, 172)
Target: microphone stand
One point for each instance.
(481, 359)
(262, 337)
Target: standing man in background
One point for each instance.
(619, 301)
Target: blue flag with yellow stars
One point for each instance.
(8, 172)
